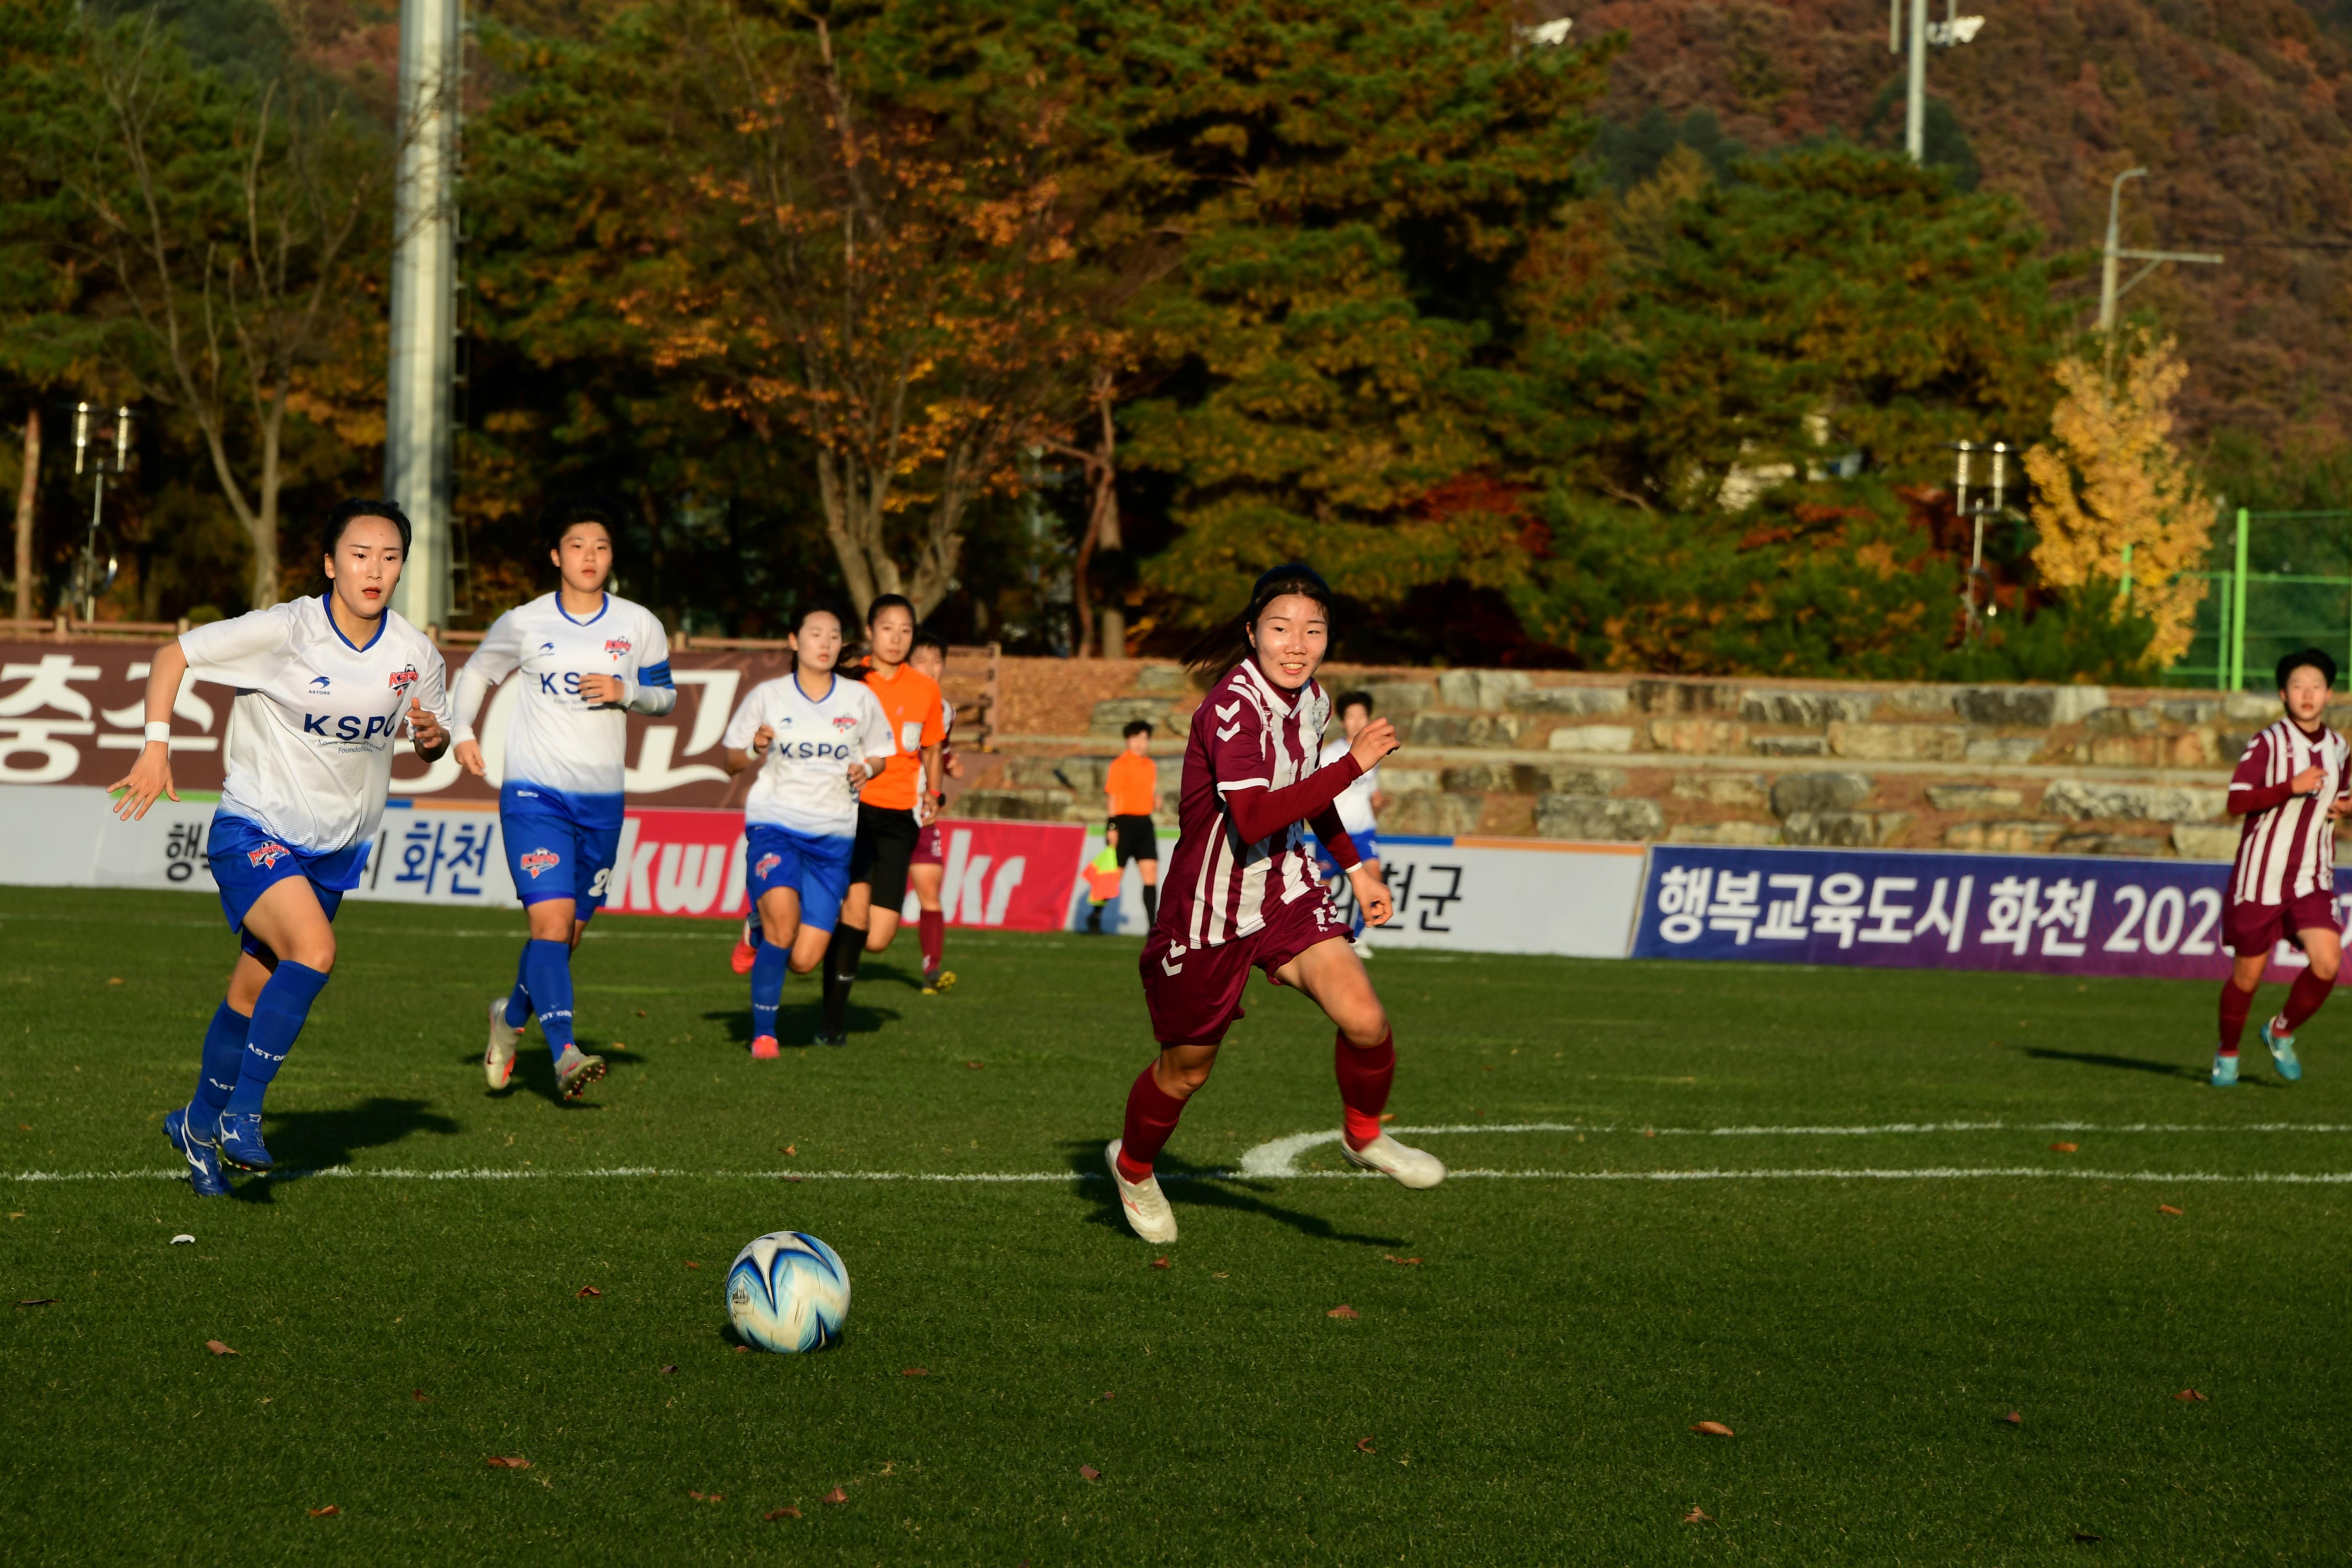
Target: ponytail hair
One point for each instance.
(1226, 645)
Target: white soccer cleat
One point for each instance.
(497, 1062)
(1147, 1213)
(1411, 1167)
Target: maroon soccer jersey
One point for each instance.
(2287, 848)
(1247, 733)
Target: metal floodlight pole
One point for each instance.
(421, 376)
(1914, 102)
(2110, 263)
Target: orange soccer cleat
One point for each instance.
(744, 955)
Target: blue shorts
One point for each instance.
(553, 854)
(1368, 847)
(813, 867)
(246, 862)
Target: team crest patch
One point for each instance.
(845, 721)
(404, 677)
(540, 861)
(617, 647)
(268, 855)
(766, 863)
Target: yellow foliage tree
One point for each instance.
(2109, 480)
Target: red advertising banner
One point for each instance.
(72, 713)
(1008, 876)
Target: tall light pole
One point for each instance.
(2110, 263)
(420, 404)
(1951, 33)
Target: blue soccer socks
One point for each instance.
(519, 1005)
(278, 1018)
(547, 973)
(767, 988)
(223, 1059)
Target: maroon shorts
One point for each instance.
(1195, 993)
(930, 846)
(2254, 930)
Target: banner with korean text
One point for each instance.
(2051, 914)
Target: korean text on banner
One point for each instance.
(2045, 913)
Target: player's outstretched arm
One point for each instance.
(151, 775)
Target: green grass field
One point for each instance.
(1523, 1393)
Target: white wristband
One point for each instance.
(158, 730)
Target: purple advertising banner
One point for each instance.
(2048, 914)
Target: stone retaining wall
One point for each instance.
(2068, 769)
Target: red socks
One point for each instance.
(1151, 1116)
(1364, 1077)
(933, 930)
(2303, 999)
(2235, 1006)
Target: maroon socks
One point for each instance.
(2235, 1006)
(1364, 1076)
(2303, 999)
(1151, 1116)
(933, 930)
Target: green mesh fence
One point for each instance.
(2279, 580)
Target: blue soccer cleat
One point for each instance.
(239, 1141)
(2225, 1071)
(2283, 1057)
(204, 1161)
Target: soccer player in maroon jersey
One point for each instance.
(1242, 890)
(2290, 787)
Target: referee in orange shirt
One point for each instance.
(1133, 786)
(892, 809)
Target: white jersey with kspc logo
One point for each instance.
(560, 745)
(803, 783)
(311, 730)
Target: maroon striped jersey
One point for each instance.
(2287, 846)
(1247, 733)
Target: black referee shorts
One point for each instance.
(1137, 839)
(885, 843)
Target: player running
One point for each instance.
(892, 810)
(814, 738)
(323, 687)
(1241, 890)
(1358, 805)
(927, 868)
(2290, 786)
(588, 661)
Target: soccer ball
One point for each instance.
(788, 1292)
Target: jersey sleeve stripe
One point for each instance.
(655, 675)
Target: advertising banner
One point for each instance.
(1009, 875)
(2049, 914)
(1475, 895)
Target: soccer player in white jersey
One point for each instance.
(1358, 805)
(2291, 788)
(1241, 891)
(323, 686)
(815, 739)
(588, 659)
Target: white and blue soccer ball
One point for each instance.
(788, 1292)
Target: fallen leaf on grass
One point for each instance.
(1220, 1275)
(2165, 1208)
(1090, 1472)
(672, 1367)
(1343, 1310)
(1649, 1133)
(915, 1371)
(42, 1301)
(184, 1239)
(743, 1349)
(2188, 1393)
(217, 1347)
(2014, 1418)
(1712, 1429)
(419, 1395)
(586, 1290)
(327, 1513)
(1160, 1263)
(690, 1263)
(1388, 1257)
(714, 1496)
(2086, 1538)
(1364, 1446)
(1698, 1516)
(114, 980)
(836, 1495)
(973, 1065)
(1107, 1393)
(497, 1462)
(2063, 1148)
(791, 1148)
(641, 1011)
(786, 1512)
